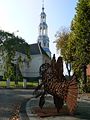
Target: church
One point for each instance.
(39, 53)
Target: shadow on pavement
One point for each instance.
(83, 110)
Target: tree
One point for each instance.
(62, 46)
(80, 37)
(9, 45)
(76, 49)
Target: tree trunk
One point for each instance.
(68, 66)
(84, 77)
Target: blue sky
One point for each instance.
(24, 15)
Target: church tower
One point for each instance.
(43, 38)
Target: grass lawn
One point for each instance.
(20, 84)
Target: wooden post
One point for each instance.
(8, 83)
(24, 83)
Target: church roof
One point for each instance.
(36, 49)
(47, 50)
(43, 51)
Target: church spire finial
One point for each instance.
(42, 5)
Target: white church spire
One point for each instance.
(43, 38)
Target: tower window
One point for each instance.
(40, 43)
(44, 44)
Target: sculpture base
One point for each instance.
(49, 111)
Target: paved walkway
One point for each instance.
(11, 100)
(13, 104)
(82, 111)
